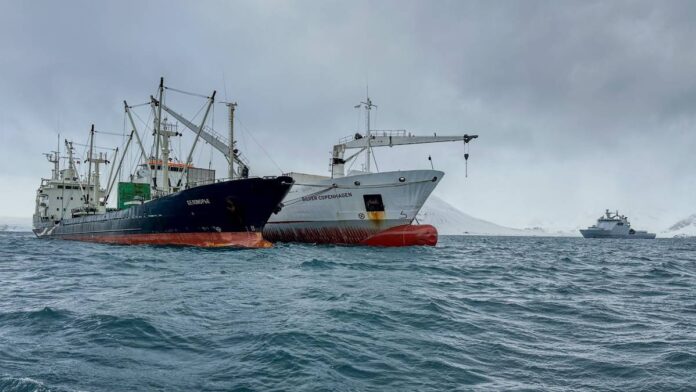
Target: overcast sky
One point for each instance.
(580, 106)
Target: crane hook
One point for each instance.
(466, 158)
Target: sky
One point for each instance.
(579, 105)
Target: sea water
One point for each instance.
(473, 313)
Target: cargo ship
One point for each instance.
(361, 207)
(166, 201)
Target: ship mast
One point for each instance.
(135, 130)
(71, 162)
(54, 158)
(230, 172)
(368, 105)
(157, 111)
(89, 165)
(93, 178)
(166, 133)
(97, 161)
(56, 175)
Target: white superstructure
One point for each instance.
(65, 194)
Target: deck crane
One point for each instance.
(227, 148)
(384, 139)
(375, 138)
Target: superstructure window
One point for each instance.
(373, 203)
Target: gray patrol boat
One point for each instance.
(614, 226)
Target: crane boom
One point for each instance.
(389, 141)
(384, 139)
(217, 142)
(207, 136)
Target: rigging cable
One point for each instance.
(186, 92)
(123, 142)
(212, 125)
(109, 133)
(260, 146)
(352, 162)
(374, 159)
(138, 105)
(95, 147)
(372, 152)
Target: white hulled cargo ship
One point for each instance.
(361, 207)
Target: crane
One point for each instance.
(225, 147)
(384, 139)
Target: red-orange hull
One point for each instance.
(207, 240)
(405, 235)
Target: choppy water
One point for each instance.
(473, 313)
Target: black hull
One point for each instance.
(229, 213)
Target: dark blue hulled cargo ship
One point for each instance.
(227, 213)
(167, 202)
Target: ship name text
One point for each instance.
(197, 202)
(325, 197)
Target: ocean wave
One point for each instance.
(476, 313)
(25, 384)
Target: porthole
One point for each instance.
(357, 183)
(402, 179)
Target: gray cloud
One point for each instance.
(580, 105)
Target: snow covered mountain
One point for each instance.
(683, 228)
(451, 221)
(15, 224)
(445, 217)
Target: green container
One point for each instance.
(131, 191)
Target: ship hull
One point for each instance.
(608, 234)
(229, 213)
(336, 211)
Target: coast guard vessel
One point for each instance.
(361, 207)
(166, 201)
(613, 225)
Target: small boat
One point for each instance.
(613, 225)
